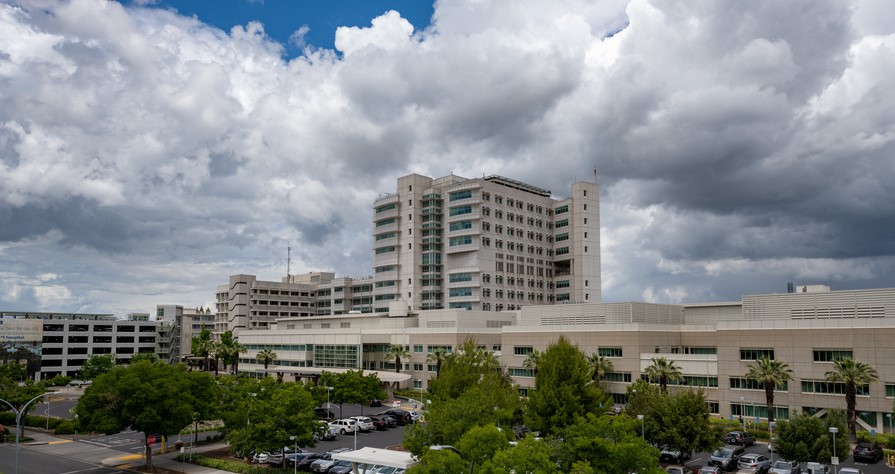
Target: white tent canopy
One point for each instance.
(377, 456)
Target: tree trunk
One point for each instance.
(850, 407)
(148, 451)
(397, 364)
(769, 399)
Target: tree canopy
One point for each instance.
(152, 398)
(97, 365)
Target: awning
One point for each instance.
(384, 376)
(382, 457)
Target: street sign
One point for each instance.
(834, 460)
(151, 440)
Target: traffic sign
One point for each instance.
(151, 440)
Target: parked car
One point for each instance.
(402, 417)
(293, 458)
(327, 432)
(389, 420)
(375, 402)
(726, 457)
(379, 422)
(260, 458)
(669, 454)
(415, 415)
(677, 470)
(868, 452)
(782, 466)
(324, 463)
(710, 470)
(304, 463)
(741, 438)
(340, 467)
(816, 468)
(850, 470)
(324, 413)
(364, 423)
(275, 459)
(754, 462)
(346, 425)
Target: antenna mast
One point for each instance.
(288, 263)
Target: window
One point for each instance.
(520, 372)
(522, 350)
(890, 389)
(829, 355)
(388, 249)
(610, 351)
(457, 277)
(747, 384)
(618, 377)
(561, 209)
(459, 210)
(456, 196)
(461, 291)
(562, 251)
(387, 207)
(463, 240)
(837, 388)
(561, 223)
(561, 237)
(755, 354)
(388, 221)
(462, 225)
(386, 235)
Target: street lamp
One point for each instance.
(833, 431)
(19, 414)
(889, 417)
(249, 410)
(771, 439)
(328, 389)
(743, 412)
(642, 427)
(294, 454)
(442, 447)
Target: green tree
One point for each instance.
(805, 438)
(18, 393)
(97, 365)
(230, 349)
(664, 371)
(465, 395)
(437, 357)
(273, 414)
(563, 391)
(152, 398)
(441, 461)
(606, 444)
(266, 356)
(851, 373)
(770, 374)
(530, 455)
(532, 360)
(600, 366)
(351, 386)
(682, 421)
(202, 345)
(481, 443)
(395, 352)
(150, 357)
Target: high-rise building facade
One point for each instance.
(489, 244)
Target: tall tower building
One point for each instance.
(486, 244)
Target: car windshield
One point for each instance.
(722, 452)
(783, 465)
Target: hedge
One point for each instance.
(229, 465)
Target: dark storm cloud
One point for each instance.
(739, 145)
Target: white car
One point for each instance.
(415, 415)
(363, 423)
(345, 426)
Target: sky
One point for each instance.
(148, 150)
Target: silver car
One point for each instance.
(754, 462)
(782, 466)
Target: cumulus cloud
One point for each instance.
(145, 156)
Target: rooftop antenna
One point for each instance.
(288, 263)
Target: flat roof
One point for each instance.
(380, 456)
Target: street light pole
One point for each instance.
(19, 414)
(771, 440)
(642, 427)
(294, 455)
(328, 389)
(743, 412)
(833, 431)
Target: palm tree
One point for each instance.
(851, 373)
(770, 374)
(202, 345)
(600, 365)
(396, 352)
(665, 370)
(266, 356)
(532, 361)
(437, 356)
(230, 349)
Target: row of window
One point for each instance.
(96, 328)
(818, 355)
(98, 339)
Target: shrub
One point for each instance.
(65, 427)
(229, 465)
